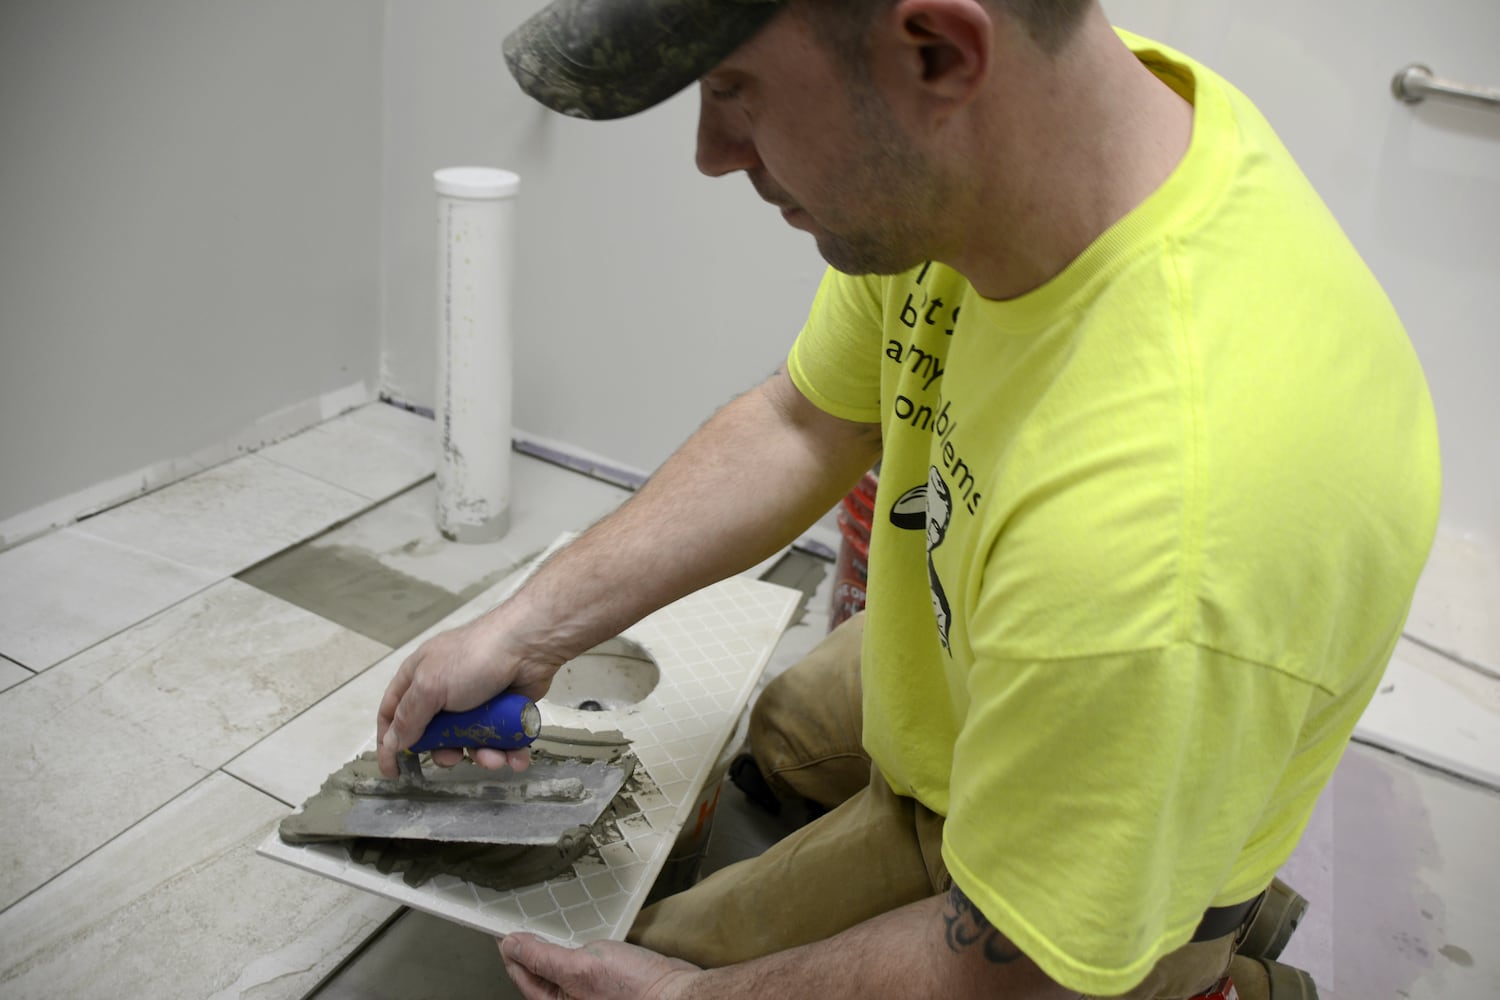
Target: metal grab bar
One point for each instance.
(1416, 83)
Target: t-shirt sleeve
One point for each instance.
(1092, 838)
(835, 361)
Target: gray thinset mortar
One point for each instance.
(497, 866)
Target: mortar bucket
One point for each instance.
(856, 515)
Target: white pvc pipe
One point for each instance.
(475, 213)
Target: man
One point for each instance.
(1173, 468)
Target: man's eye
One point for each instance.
(724, 93)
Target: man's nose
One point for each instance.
(724, 143)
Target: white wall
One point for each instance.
(189, 226)
(647, 295)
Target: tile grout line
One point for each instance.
(74, 864)
(250, 785)
(1481, 668)
(1467, 779)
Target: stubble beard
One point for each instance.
(896, 193)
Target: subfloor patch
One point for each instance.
(799, 571)
(351, 587)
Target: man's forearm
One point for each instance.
(744, 485)
(938, 947)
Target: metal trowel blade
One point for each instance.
(462, 804)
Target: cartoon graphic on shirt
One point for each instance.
(929, 507)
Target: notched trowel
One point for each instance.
(425, 822)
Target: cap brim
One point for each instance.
(606, 59)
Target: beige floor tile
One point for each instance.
(293, 762)
(376, 451)
(98, 742)
(1416, 901)
(389, 574)
(1455, 607)
(229, 517)
(181, 907)
(422, 957)
(64, 592)
(1437, 711)
(12, 673)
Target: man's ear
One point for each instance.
(942, 46)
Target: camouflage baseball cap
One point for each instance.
(611, 58)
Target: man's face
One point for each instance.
(826, 151)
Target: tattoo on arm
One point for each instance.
(968, 927)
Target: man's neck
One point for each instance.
(1075, 144)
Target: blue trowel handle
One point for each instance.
(507, 721)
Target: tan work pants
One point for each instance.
(875, 851)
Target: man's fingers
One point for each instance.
(414, 709)
(385, 753)
(447, 758)
(523, 953)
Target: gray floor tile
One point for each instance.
(229, 517)
(1454, 607)
(181, 907)
(100, 741)
(64, 592)
(12, 673)
(350, 586)
(422, 957)
(1434, 710)
(389, 574)
(1415, 889)
(293, 762)
(375, 451)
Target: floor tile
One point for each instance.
(98, 742)
(375, 451)
(64, 592)
(180, 906)
(1416, 899)
(389, 574)
(422, 957)
(12, 673)
(293, 762)
(1310, 871)
(351, 587)
(402, 532)
(1437, 711)
(229, 517)
(1454, 608)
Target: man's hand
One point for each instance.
(455, 671)
(604, 970)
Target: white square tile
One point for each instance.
(693, 643)
(64, 592)
(12, 673)
(98, 742)
(180, 907)
(1437, 711)
(229, 517)
(376, 451)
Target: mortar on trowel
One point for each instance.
(497, 828)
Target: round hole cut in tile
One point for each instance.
(613, 675)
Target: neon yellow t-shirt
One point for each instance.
(1145, 539)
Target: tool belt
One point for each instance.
(1220, 920)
